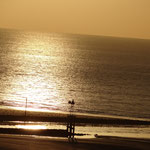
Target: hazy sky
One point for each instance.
(125, 18)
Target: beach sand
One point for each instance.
(18, 142)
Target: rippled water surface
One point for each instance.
(104, 75)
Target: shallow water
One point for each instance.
(88, 131)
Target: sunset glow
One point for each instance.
(124, 18)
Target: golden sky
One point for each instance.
(125, 18)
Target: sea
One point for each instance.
(104, 75)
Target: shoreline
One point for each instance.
(19, 111)
(78, 119)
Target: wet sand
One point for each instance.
(79, 119)
(18, 142)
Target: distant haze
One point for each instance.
(124, 18)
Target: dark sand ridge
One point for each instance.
(40, 132)
(13, 142)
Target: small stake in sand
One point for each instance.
(26, 110)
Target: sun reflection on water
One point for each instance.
(31, 109)
(33, 127)
(34, 73)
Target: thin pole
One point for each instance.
(26, 107)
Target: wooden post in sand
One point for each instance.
(71, 126)
(71, 121)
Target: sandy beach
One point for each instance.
(45, 139)
(18, 142)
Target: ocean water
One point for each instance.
(104, 75)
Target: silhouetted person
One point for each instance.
(71, 102)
